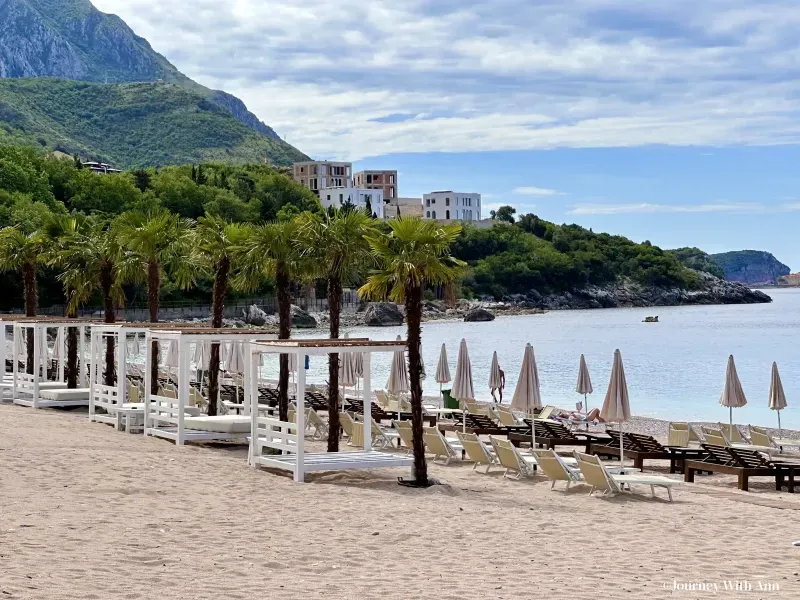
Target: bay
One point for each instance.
(675, 368)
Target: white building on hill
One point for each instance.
(360, 197)
(452, 206)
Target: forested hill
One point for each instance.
(71, 39)
(534, 254)
(751, 266)
(131, 125)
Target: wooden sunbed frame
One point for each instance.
(550, 434)
(645, 447)
(744, 464)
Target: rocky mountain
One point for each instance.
(751, 266)
(71, 39)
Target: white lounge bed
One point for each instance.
(75, 394)
(227, 424)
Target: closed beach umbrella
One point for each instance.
(235, 362)
(358, 366)
(172, 359)
(442, 369)
(527, 396)
(494, 373)
(347, 371)
(137, 350)
(59, 342)
(202, 355)
(616, 406)
(463, 388)
(584, 385)
(732, 393)
(398, 376)
(777, 399)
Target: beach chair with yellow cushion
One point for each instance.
(732, 433)
(681, 435)
(404, 431)
(599, 478)
(760, 436)
(555, 469)
(476, 450)
(517, 465)
(440, 446)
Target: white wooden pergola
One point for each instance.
(27, 388)
(288, 438)
(165, 417)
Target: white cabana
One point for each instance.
(288, 437)
(29, 389)
(166, 417)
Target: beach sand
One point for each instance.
(90, 513)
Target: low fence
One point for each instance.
(199, 310)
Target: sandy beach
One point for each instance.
(90, 513)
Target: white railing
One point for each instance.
(105, 397)
(162, 410)
(275, 434)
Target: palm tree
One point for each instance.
(270, 250)
(214, 242)
(337, 245)
(91, 258)
(155, 242)
(415, 253)
(58, 233)
(22, 251)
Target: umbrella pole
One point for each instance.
(780, 435)
(730, 427)
(533, 431)
(621, 455)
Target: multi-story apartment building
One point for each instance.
(378, 180)
(319, 174)
(407, 207)
(452, 206)
(360, 197)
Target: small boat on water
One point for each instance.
(651, 319)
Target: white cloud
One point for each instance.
(536, 191)
(485, 75)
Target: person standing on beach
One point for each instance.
(502, 385)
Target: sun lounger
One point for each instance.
(555, 469)
(476, 450)
(506, 416)
(313, 420)
(718, 437)
(227, 424)
(385, 438)
(681, 435)
(515, 463)
(550, 434)
(440, 446)
(348, 424)
(640, 447)
(406, 436)
(595, 474)
(733, 434)
(743, 463)
(760, 436)
(479, 425)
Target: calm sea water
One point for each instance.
(675, 369)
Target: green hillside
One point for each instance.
(696, 259)
(131, 124)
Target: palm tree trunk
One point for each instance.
(334, 311)
(413, 319)
(109, 316)
(71, 370)
(217, 312)
(31, 302)
(282, 283)
(153, 289)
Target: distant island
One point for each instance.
(752, 267)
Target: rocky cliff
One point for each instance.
(71, 39)
(622, 294)
(751, 266)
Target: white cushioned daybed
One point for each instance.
(229, 424)
(65, 394)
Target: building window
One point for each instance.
(447, 201)
(341, 198)
(391, 178)
(302, 169)
(447, 215)
(314, 170)
(391, 192)
(434, 214)
(329, 197)
(433, 200)
(427, 202)
(369, 178)
(428, 214)
(323, 170)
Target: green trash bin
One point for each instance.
(449, 401)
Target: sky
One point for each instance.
(674, 122)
